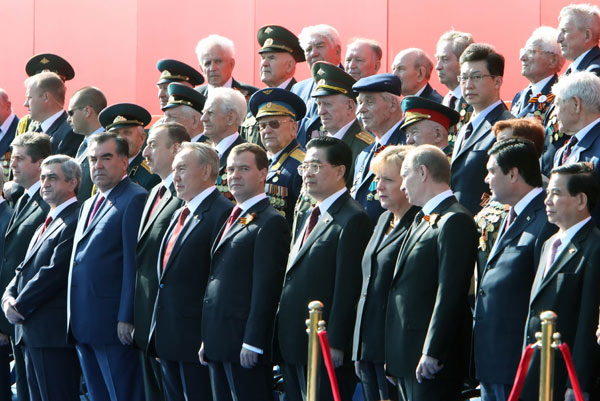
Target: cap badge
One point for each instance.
(268, 91)
(119, 119)
(44, 60)
(268, 30)
(321, 72)
(268, 42)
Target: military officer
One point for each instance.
(175, 71)
(185, 107)
(128, 120)
(277, 112)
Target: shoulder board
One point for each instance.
(365, 137)
(23, 124)
(298, 154)
(145, 165)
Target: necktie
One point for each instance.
(512, 215)
(565, 156)
(452, 101)
(81, 149)
(419, 218)
(555, 245)
(568, 71)
(176, 231)
(235, 213)
(38, 128)
(312, 222)
(161, 193)
(468, 132)
(21, 203)
(97, 205)
(46, 224)
(526, 98)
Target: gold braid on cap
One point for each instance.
(167, 75)
(335, 88)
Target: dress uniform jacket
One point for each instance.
(358, 139)
(311, 121)
(521, 107)
(139, 172)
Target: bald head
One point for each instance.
(413, 67)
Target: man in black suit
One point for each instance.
(567, 280)
(224, 111)
(84, 107)
(481, 70)
(325, 265)
(414, 67)
(8, 127)
(29, 150)
(579, 26)
(164, 141)
(35, 301)
(5, 390)
(429, 321)
(45, 99)
(503, 292)
(183, 268)
(216, 56)
(246, 274)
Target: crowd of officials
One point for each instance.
(174, 258)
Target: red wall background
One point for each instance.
(114, 44)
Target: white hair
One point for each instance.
(583, 84)
(204, 45)
(544, 38)
(230, 100)
(326, 31)
(587, 16)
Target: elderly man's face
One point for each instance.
(217, 122)
(320, 49)
(276, 67)
(536, 64)
(405, 68)
(217, 66)
(361, 61)
(447, 65)
(572, 40)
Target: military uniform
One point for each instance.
(140, 173)
(184, 96)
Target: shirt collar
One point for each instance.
(420, 91)
(478, 119)
(522, 204)
(386, 137)
(225, 143)
(285, 83)
(168, 181)
(342, 131)
(58, 209)
(108, 191)
(6, 124)
(32, 190)
(537, 87)
(87, 138)
(327, 202)
(568, 235)
(434, 202)
(47, 123)
(198, 199)
(575, 64)
(583, 132)
(227, 84)
(248, 203)
(457, 92)
(197, 137)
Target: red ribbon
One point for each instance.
(329, 364)
(566, 353)
(521, 373)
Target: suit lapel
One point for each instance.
(484, 128)
(29, 208)
(185, 232)
(237, 226)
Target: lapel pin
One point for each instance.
(572, 250)
(528, 218)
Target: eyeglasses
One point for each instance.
(311, 168)
(475, 78)
(274, 124)
(72, 111)
(531, 52)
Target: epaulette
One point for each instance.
(365, 137)
(298, 154)
(145, 165)
(23, 124)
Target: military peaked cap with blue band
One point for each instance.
(275, 38)
(331, 80)
(176, 71)
(277, 102)
(379, 83)
(49, 62)
(183, 95)
(417, 108)
(124, 115)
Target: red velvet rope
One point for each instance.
(329, 364)
(564, 348)
(521, 373)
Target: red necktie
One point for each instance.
(565, 156)
(161, 193)
(46, 224)
(235, 213)
(97, 205)
(176, 231)
(312, 222)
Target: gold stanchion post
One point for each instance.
(312, 323)
(547, 355)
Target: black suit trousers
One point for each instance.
(294, 379)
(52, 373)
(255, 384)
(184, 381)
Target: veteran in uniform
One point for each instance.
(172, 71)
(128, 120)
(185, 107)
(277, 112)
(279, 53)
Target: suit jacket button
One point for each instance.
(206, 302)
(162, 286)
(481, 292)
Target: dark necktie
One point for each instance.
(312, 222)
(38, 128)
(512, 215)
(555, 245)
(452, 101)
(568, 150)
(468, 132)
(97, 205)
(21, 203)
(82, 148)
(235, 213)
(419, 218)
(568, 71)
(159, 196)
(176, 231)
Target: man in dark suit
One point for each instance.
(35, 301)
(414, 67)
(320, 43)
(185, 107)
(84, 107)
(102, 275)
(578, 114)
(224, 111)
(567, 280)
(324, 264)
(481, 71)
(45, 99)
(5, 390)
(128, 120)
(579, 26)
(505, 282)
(216, 58)
(336, 106)
(380, 110)
(8, 127)
(28, 152)
(428, 317)
(183, 268)
(164, 141)
(246, 274)
(279, 52)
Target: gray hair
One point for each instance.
(230, 100)
(544, 38)
(68, 165)
(421, 60)
(205, 44)
(206, 156)
(583, 84)
(587, 16)
(391, 98)
(326, 31)
(372, 43)
(460, 41)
